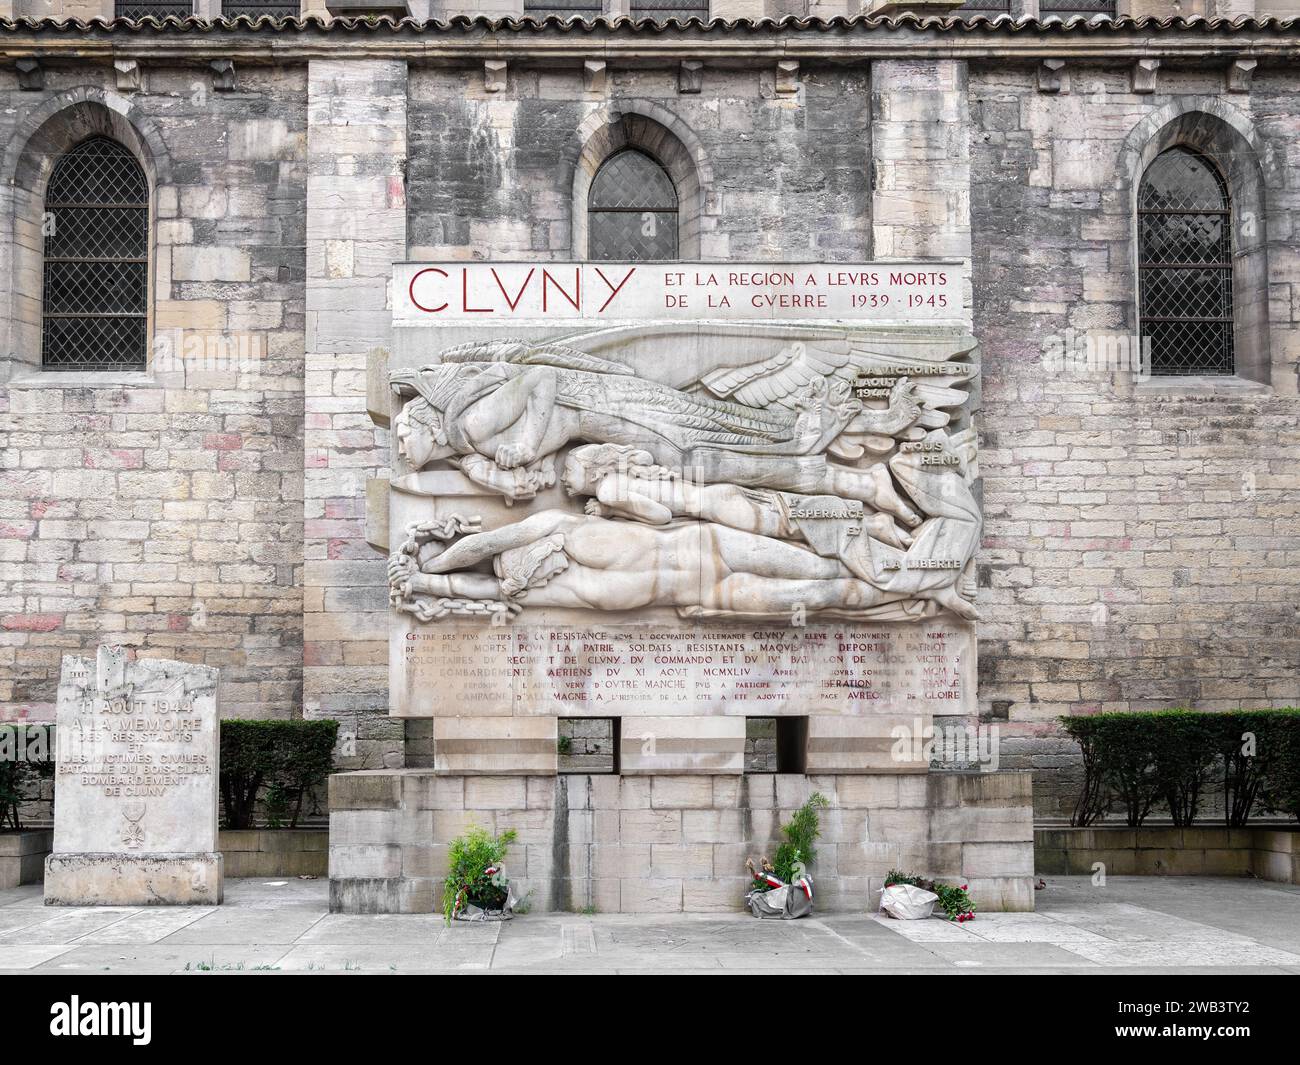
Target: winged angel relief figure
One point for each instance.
(822, 479)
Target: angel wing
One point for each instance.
(524, 354)
(875, 365)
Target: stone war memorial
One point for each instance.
(676, 499)
(136, 781)
(583, 488)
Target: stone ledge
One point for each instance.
(26, 841)
(126, 880)
(1268, 852)
(22, 856)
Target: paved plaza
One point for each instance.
(1132, 925)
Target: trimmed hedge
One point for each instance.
(1136, 760)
(26, 757)
(276, 761)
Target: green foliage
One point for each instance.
(797, 854)
(278, 761)
(1185, 759)
(468, 858)
(1135, 760)
(26, 758)
(956, 903)
(1280, 793)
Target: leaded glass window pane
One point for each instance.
(96, 275)
(1068, 9)
(632, 210)
(660, 10)
(159, 9)
(1185, 265)
(583, 9)
(987, 8)
(259, 8)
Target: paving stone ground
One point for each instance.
(1132, 925)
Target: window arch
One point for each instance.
(632, 209)
(94, 304)
(1185, 265)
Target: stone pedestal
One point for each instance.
(131, 880)
(676, 843)
(135, 815)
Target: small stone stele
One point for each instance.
(136, 778)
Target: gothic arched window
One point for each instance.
(1185, 265)
(96, 280)
(632, 209)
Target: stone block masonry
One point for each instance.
(676, 843)
(491, 175)
(356, 202)
(1139, 546)
(163, 510)
(1139, 538)
(1267, 852)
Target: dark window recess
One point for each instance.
(259, 8)
(96, 272)
(588, 744)
(632, 210)
(661, 10)
(138, 9)
(583, 9)
(1068, 9)
(776, 744)
(1185, 265)
(988, 8)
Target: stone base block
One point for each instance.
(676, 842)
(133, 880)
(385, 895)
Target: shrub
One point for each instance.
(797, 853)
(1185, 760)
(1255, 747)
(1094, 799)
(469, 857)
(26, 757)
(1137, 759)
(1280, 793)
(284, 759)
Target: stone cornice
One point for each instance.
(858, 39)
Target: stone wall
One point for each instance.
(1266, 852)
(1140, 547)
(785, 175)
(356, 230)
(1140, 539)
(163, 511)
(676, 843)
